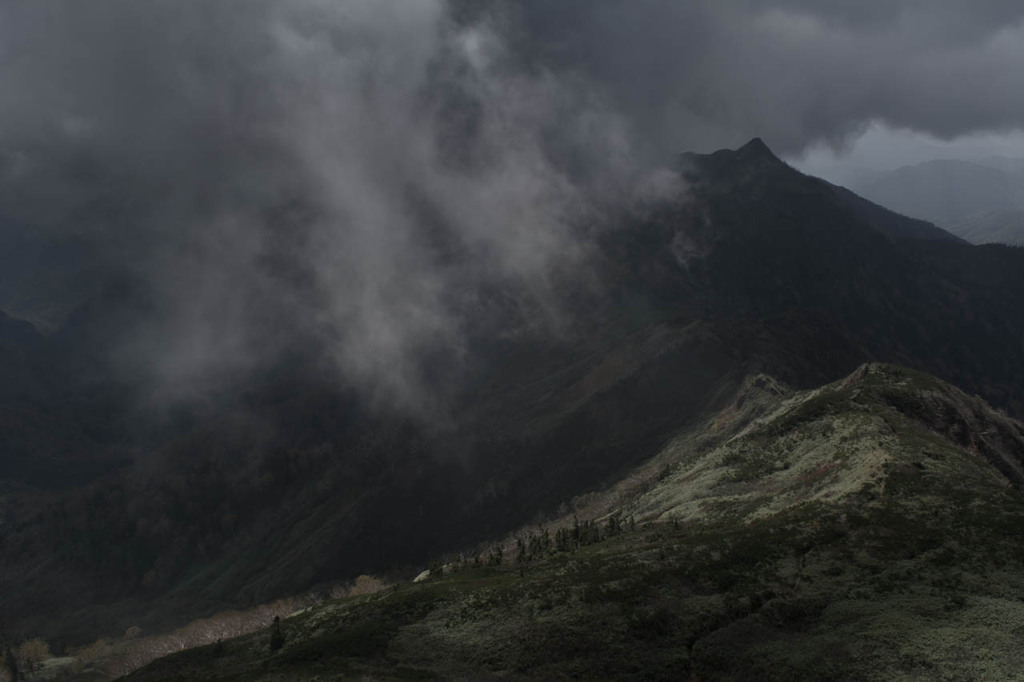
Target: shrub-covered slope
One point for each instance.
(295, 477)
(872, 529)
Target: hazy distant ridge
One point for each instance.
(982, 202)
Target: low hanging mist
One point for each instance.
(345, 174)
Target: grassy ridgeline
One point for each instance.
(861, 531)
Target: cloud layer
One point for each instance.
(368, 178)
(697, 75)
(361, 177)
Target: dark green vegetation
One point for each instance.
(293, 479)
(876, 542)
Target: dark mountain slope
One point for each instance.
(23, 374)
(43, 280)
(297, 480)
(895, 225)
(284, 495)
(48, 434)
(766, 241)
(857, 531)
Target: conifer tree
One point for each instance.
(10, 664)
(276, 636)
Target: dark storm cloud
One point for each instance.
(344, 173)
(712, 73)
(354, 174)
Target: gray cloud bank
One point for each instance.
(711, 73)
(367, 174)
(355, 174)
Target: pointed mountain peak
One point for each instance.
(756, 149)
(754, 154)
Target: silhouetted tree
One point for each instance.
(563, 540)
(10, 664)
(276, 636)
(521, 553)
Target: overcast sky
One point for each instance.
(881, 149)
(362, 170)
(803, 74)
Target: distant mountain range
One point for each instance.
(982, 202)
(297, 480)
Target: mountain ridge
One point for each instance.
(863, 577)
(758, 270)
